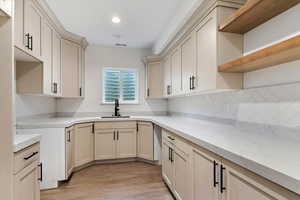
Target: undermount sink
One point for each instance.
(114, 117)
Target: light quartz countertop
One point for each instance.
(23, 141)
(274, 157)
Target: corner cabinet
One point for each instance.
(72, 69)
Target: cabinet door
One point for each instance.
(145, 140)
(206, 36)
(206, 177)
(26, 183)
(240, 183)
(188, 56)
(167, 165)
(70, 69)
(84, 144)
(19, 24)
(167, 76)
(105, 145)
(69, 151)
(176, 72)
(126, 143)
(6, 7)
(56, 63)
(47, 57)
(155, 80)
(32, 25)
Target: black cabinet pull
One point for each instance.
(31, 155)
(222, 188)
(93, 128)
(169, 154)
(41, 172)
(215, 174)
(190, 83)
(171, 138)
(193, 83)
(30, 43)
(148, 92)
(69, 136)
(117, 135)
(55, 88)
(137, 127)
(114, 135)
(172, 159)
(27, 42)
(80, 92)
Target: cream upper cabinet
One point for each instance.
(206, 176)
(5, 7)
(71, 69)
(69, 138)
(154, 78)
(176, 72)
(56, 64)
(105, 145)
(167, 76)
(145, 141)
(188, 60)
(126, 143)
(84, 144)
(47, 57)
(32, 28)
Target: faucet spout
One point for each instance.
(117, 108)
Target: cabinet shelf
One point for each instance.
(283, 52)
(255, 13)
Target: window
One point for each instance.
(120, 84)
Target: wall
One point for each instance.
(98, 57)
(270, 97)
(29, 106)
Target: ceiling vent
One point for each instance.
(121, 45)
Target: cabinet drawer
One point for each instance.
(25, 157)
(115, 125)
(177, 142)
(168, 136)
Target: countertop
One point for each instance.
(23, 141)
(271, 156)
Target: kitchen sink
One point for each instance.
(115, 117)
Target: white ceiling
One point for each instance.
(143, 21)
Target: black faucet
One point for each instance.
(117, 109)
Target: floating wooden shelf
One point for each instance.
(255, 13)
(283, 52)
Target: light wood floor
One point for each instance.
(126, 181)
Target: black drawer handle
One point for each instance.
(215, 174)
(33, 154)
(41, 175)
(222, 188)
(171, 138)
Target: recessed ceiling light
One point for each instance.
(116, 20)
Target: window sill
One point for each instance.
(120, 103)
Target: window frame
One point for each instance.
(134, 70)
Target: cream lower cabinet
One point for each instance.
(83, 144)
(145, 140)
(219, 179)
(70, 146)
(115, 140)
(177, 169)
(27, 174)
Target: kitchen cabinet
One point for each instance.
(70, 146)
(28, 20)
(176, 72)
(177, 166)
(145, 143)
(115, 140)
(214, 48)
(27, 174)
(71, 69)
(188, 61)
(84, 144)
(167, 76)
(56, 64)
(154, 77)
(5, 7)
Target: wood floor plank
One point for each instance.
(126, 181)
